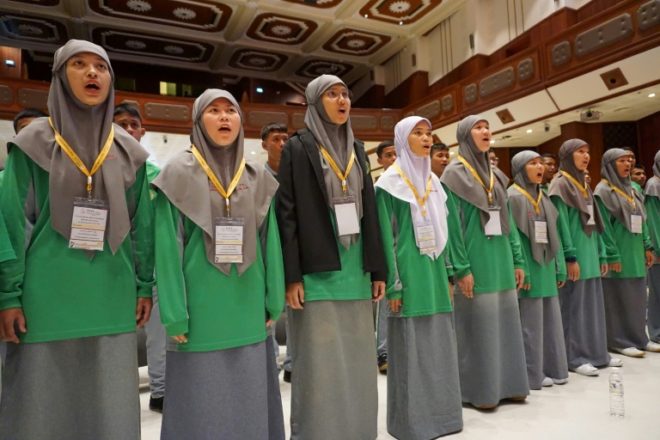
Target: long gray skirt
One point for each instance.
(75, 389)
(334, 391)
(491, 354)
(220, 394)
(275, 411)
(543, 334)
(423, 386)
(583, 316)
(653, 317)
(625, 310)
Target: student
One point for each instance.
(489, 268)
(550, 169)
(386, 154)
(273, 138)
(220, 280)
(84, 268)
(536, 220)
(580, 229)
(423, 391)
(652, 204)
(439, 158)
(334, 266)
(25, 117)
(638, 176)
(624, 287)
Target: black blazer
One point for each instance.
(308, 237)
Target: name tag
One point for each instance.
(592, 220)
(493, 225)
(229, 240)
(425, 237)
(88, 224)
(636, 223)
(346, 216)
(540, 232)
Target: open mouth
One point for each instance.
(92, 86)
(539, 175)
(224, 129)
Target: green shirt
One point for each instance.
(65, 294)
(491, 260)
(215, 311)
(652, 204)
(6, 251)
(418, 280)
(542, 278)
(630, 247)
(637, 188)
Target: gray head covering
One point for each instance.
(461, 181)
(562, 187)
(86, 129)
(653, 184)
(338, 140)
(188, 188)
(523, 211)
(615, 203)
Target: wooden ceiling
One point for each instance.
(285, 40)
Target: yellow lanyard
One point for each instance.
(226, 194)
(64, 145)
(489, 191)
(535, 203)
(341, 176)
(630, 198)
(421, 201)
(582, 188)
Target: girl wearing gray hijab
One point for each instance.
(77, 207)
(624, 287)
(652, 204)
(536, 220)
(220, 282)
(488, 268)
(587, 249)
(334, 266)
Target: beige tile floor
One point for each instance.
(577, 410)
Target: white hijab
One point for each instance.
(418, 170)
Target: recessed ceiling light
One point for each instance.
(651, 95)
(260, 89)
(492, 141)
(366, 15)
(529, 130)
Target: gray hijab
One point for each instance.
(338, 140)
(563, 188)
(86, 129)
(188, 188)
(460, 180)
(524, 214)
(653, 184)
(616, 204)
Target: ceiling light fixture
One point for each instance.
(260, 89)
(529, 130)
(651, 95)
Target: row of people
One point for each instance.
(231, 243)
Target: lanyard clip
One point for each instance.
(344, 187)
(228, 206)
(89, 187)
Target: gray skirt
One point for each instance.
(491, 354)
(83, 388)
(334, 392)
(423, 386)
(653, 314)
(583, 316)
(625, 310)
(220, 394)
(545, 350)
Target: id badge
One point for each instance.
(540, 232)
(88, 224)
(229, 240)
(346, 216)
(592, 220)
(425, 238)
(636, 223)
(493, 226)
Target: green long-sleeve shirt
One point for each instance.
(543, 278)
(630, 247)
(215, 311)
(652, 205)
(63, 293)
(418, 280)
(6, 251)
(491, 260)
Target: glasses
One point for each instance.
(334, 95)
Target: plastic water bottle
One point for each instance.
(617, 408)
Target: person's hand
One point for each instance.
(519, 275)
(295, 295)
(466, 284)
(377, 290)
(604, 269)
(649, 258)
(561, 284)
(573, 269)
(615, 267)
(269, 323)
(11, 319)
(180, 339)
(142, 311)
(395, 305)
